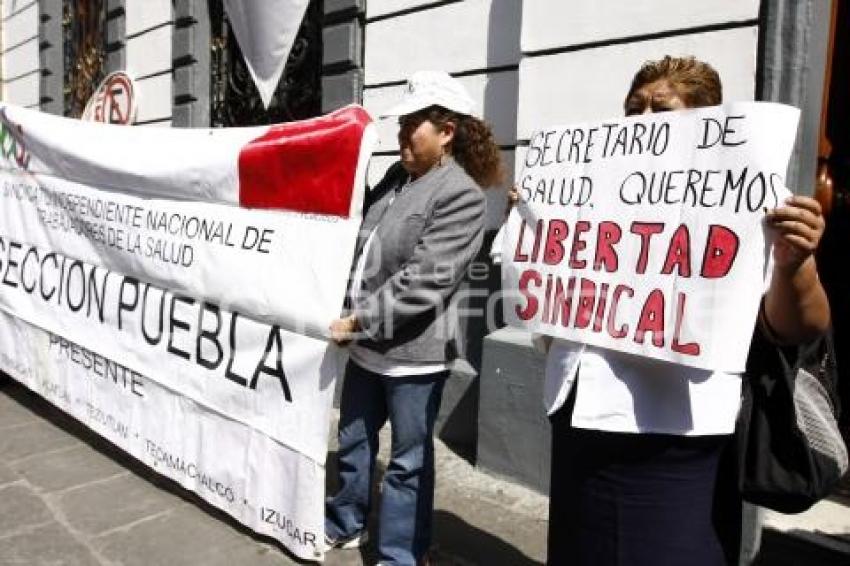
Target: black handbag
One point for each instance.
(790, 452)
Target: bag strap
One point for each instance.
(770, 360)
(768, 356)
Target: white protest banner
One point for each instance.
(166, 287)
(261, 482)
(645, 234)
(148, 203)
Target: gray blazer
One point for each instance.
(426, 234)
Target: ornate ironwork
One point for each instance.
(84, 35)
(234, 98)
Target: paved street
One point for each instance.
(69, 498)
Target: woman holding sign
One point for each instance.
(636, 462)
(423, 225)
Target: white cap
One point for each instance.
(433, 88)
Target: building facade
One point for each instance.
(527, 63)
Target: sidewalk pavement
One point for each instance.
(67, 497)
(819, 536)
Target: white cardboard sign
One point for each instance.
(645, 234)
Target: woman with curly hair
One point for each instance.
(422, 227)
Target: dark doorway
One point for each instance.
(833, 192)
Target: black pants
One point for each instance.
(641, 499)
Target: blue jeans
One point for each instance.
(407, 493)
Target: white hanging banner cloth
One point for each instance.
(265, 32)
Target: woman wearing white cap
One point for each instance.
(422, 227)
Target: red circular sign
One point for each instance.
(114, 101)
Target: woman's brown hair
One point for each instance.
(473, 146)
(696, 82)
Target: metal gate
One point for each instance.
(84, 51)
(234, 98)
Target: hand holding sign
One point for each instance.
(342, 330)
(799, 225)
(796, 306)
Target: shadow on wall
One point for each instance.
(501, 93)
(457, 422)
(459, 416)
(504, 30)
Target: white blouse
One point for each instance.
(619, 392)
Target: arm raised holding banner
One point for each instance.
(795, 307)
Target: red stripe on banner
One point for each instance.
(305, 166)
